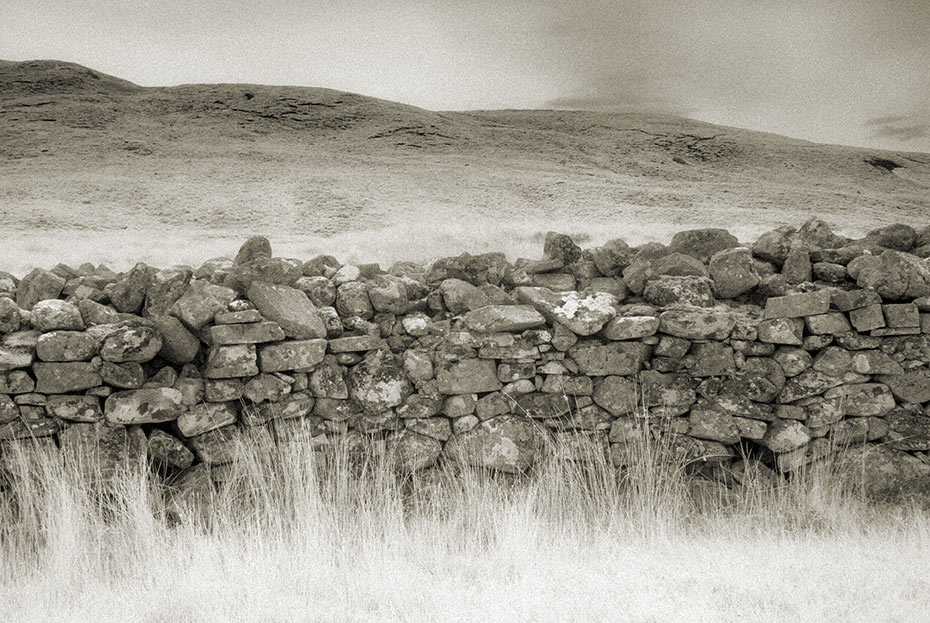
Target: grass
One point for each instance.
(292, 534)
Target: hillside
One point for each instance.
(184, 172)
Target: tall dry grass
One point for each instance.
(293, 534)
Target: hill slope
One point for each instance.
(193, 166)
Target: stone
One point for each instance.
(16, 382)
(509, 372)
(290, 308)
(273, 270)
(885, 473)
(328, 380)
(797, 265)
(238, 360)
(378, 382)
(833, 360)
(265, 388)
(222, 390)
(490, 405)
(774, 246)
(865, 399)
(411, 451)
(419, 406)
(854, 299)
(806, 384)
(458, 405)
(355, 343)
(200, 303)
(291, 355)
(613, 358)
(10, 315)
(874, 361)
(459, 296)
(547, 406)
(820, 411)
(702, 243)
(829, 272)
(630, 327)
(788, 331)
(678, 265)
(256, 247)
(797, 459)
(166, 288)
(711, 359)
(611, 258)
(911, 386)
(56, 315)
(219, 446)
(95, 449)
(697, 323)
(750, 429)
(12, 358)
(507, 443)
(830, 323)
(557, 282)
(61, 378)
(785, 436)
(251, 333)
(38, 285)
(893, 275)
(495, 318)
(667, 391)
(294, 405)
(468, 376)
(857, 430)
(74, 408)
(179, 345)
(798, 305)
(320, 290)
(867, 318)
(561, 247)
(733, 272)
(617, 394)
(66, 346)
(122, 375)
(568, 385)
(336, 410)
(128, 293)
(581, 313)
(206, 416)
(901, 315)
(689, 290)
(352, 300)
(143, 406)
(712, 424)
(138, 344)
(168, 451)
(908, 431)
(687, 449)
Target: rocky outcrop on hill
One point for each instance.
(801, 346)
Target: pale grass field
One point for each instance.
(295, 535)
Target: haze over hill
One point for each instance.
(183, 173)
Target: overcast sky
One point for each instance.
(840, 71)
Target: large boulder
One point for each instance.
(378, 382)
(733, 272)
(702, 243)
(893, 274)
(290, 308)
(582, 313)
(507, 443)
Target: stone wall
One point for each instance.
(775, 353)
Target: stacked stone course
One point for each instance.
(776, 354)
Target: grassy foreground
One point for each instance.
(296, 535)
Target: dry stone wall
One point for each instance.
(772, 354)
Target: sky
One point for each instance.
(851, 72)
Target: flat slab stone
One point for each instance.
(614, 358)
(143, 406)
(62, 378)
(246, 333)
(468, 376)
(75, 408)
(206, 416)
(493, 318)
(630, 327)
(231, 361)
(697, 323)
(798, 305)
(66, 346)
(355, 343)
(290, 308)
(583, 314)
(299, 355)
